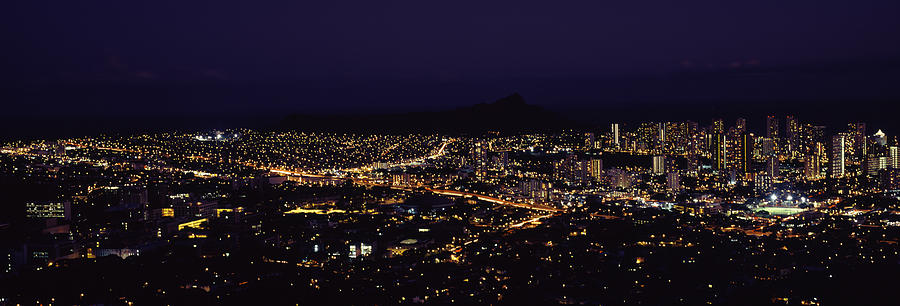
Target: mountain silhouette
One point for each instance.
(510, 114)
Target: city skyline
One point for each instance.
(467, 152)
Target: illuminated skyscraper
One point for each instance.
(661, 132)
(792, 136)
(813, 161)
(772, 127)
(673, 181)
(659, 164)
(772, 133)
(859, 141)
(894, 157)
(880, 138)
(876, 164)
(719, 150)
(740, 125)
(589, 141)
(773, 169)
(597, 169)
(768, 146)
(838, 156)
(718, 126)
(573, 170)
(615, 134)
(739, 150)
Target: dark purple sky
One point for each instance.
(327, 56)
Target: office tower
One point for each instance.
(817, 134)
(813, 161)
(677, 136)
(661, 132)
(772, 133)
(719, 150)
(718, 126)
(772, 127)
(572, 170)
(763, 183)
(659, 164)
(740, 150)
(693, 164)
(619, 178)
(859, 140)
(876, 164)
(880, 138)
(597, 169)
(810, 135)
(773, 167)
(692, 135)
(673, 181)
(615, 134)
(838, 156)
(503, 160)
(48, 210)
(741, 125)
(768, 146)
(792, 136)
(480, 152)
(894, 157)
(535, 189)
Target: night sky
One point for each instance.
(240, 58)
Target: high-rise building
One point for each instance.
(768, 146)
(572, 170)
(597, 169)
(719, 150)
(813, 161)
(894, 155)
(772, 127)
(535, 189)
(619, 178)
(673, 181)
(693, 164)
(480, 152)
(740, 125)
(661, 133)
(763, 183)
(773, 168)
(876, 164)
(503, 160)
(839, 156)
(718, 126)
(792, 136)
(659, 164)
(740, 151)
(772, 133)
(880, 138)
(615, 134)
(860, 144)
(48, 210)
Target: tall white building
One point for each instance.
(839, 156)
(894, 156)
(597, 169)
(615, 134)
(659, 164)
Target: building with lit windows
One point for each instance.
(48, 210)
(839, 156)
(659, 164)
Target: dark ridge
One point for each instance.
(510, 114)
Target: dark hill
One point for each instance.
(510, 114)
